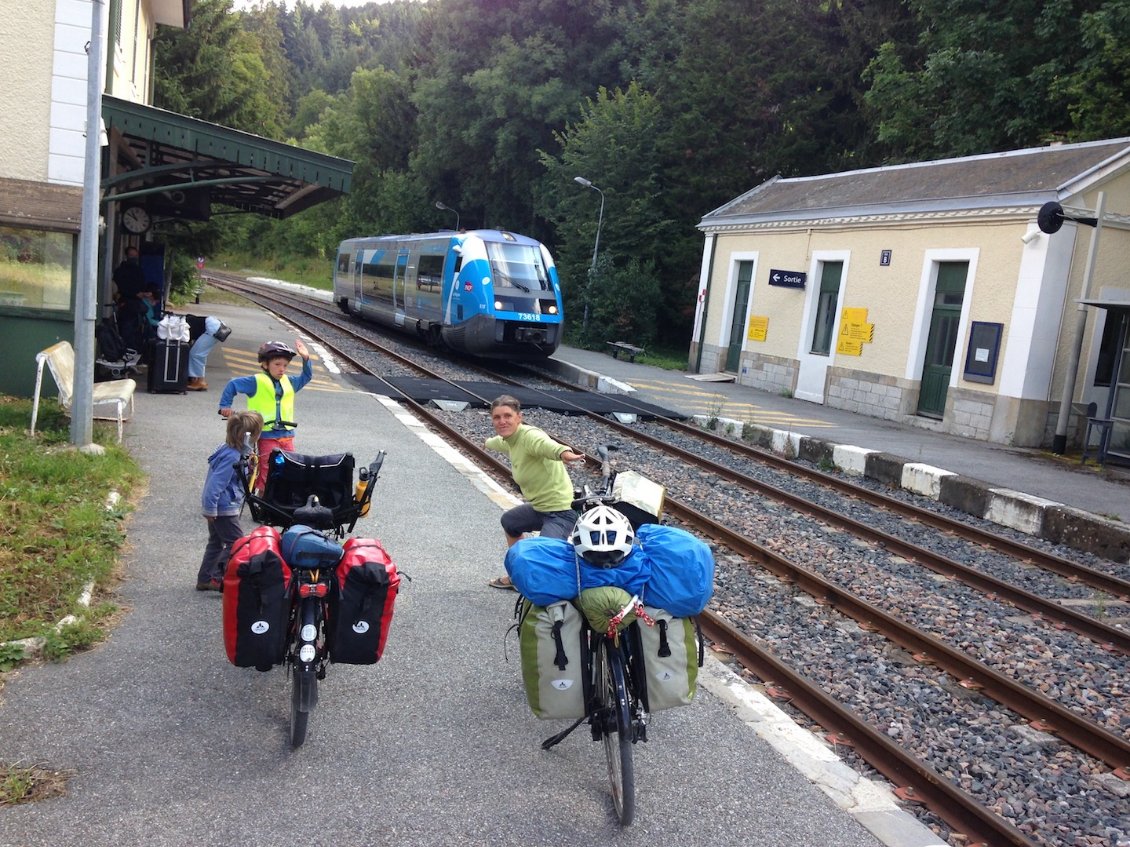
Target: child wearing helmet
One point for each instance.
(538, 465)
(271, 394)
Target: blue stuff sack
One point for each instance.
(303, 547)
(682, 569)
(631, 574)
(544, 570)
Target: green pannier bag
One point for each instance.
(553, 644)
(672, 652)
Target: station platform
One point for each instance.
(1033, 491)
(169, 744)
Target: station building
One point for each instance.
(158, 170)
(929, 294)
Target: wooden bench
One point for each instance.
(630, 350)
(60, 359)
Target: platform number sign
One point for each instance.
(884, 258)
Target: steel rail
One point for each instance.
(1054, 718)
(916, 779)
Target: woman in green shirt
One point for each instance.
(538, 465)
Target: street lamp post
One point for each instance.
(580, 180)
(444, 208)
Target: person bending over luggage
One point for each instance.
(198, 354)
(271, 394)
(538, 465)
(223, 497)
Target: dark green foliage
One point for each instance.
(670, 107)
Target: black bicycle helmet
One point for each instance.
(276, 349)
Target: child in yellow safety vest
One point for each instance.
(271, 394)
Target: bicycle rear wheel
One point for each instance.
(303, 696)
(616, 728)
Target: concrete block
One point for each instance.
(923, 479)
(1084, 531)
(850, 459)
(1018, 510)
(965, 494)
(816, 450)
(884, 468)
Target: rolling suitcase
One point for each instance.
(168, 369)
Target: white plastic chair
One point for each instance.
(60, 359)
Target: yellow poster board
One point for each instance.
(758, 327)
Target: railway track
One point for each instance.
(1086, 728)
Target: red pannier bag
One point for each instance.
(256, 601)
(365, 586)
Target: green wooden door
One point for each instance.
(942, 338)
(737, 322)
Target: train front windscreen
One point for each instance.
(517, 266)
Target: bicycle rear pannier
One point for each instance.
(256, 601)
(672, 654)
(365, 586)
(553, 644)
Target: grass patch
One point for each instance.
(305, 270)
(58, 535)
(22, 784)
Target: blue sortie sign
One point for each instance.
(789, 279)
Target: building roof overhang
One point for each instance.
(181, 163)
(1015, 183)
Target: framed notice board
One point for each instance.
(981, 355)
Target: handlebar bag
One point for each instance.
(256, 601)
(365, 586)
(553, 644)
(682, 569)
(544, 570)
(672, 653)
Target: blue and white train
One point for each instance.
(485, 292)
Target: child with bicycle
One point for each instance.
(223, 496)
(271, 394)
(538, 465)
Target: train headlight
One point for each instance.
(552, 309)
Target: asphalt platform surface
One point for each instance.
(168, 744)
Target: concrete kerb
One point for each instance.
(1035, 516)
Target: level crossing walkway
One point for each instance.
(170, 745)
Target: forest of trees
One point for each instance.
(670, 107)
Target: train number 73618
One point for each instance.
(528, 316)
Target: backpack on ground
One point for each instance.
(672, 653)
(553, 644)
(365, 586)
(256, 601)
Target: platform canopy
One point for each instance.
(179, 166)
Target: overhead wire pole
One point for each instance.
(1059, 442)
(82, 401)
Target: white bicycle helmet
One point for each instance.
(603, 537)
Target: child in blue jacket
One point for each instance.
(223, 497)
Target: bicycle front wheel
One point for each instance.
(617, 731)
(303, 696)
